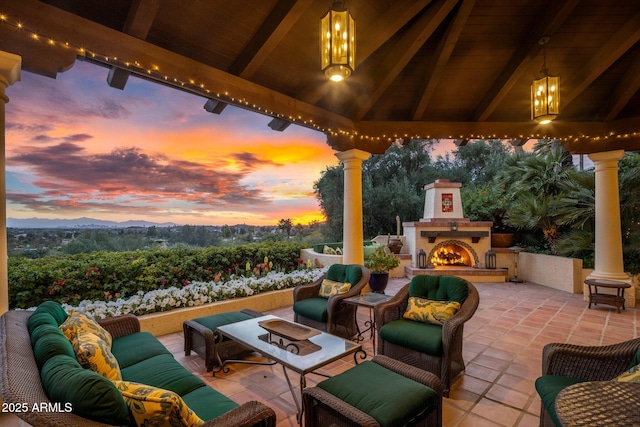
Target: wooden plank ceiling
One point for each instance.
(459, 69)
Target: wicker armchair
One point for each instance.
(446, 363)
(331, 314)
(565, 365)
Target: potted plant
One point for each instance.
(379, 264)
(501, 233)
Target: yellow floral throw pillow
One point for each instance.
(329, 288)
(78, 320)
(429, 311)
(93, 353)
(631, 375)
(156, 407)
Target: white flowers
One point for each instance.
(196, 294)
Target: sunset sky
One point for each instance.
(79, 148)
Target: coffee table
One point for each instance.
(300, 356)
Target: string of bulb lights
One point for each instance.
(154, 71)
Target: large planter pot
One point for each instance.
(501, 240)
(378, 282)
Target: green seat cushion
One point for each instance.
(391, 399)
(439, 288)
(208, 403)
(90, 394)
(136, 347)
(312, 308)
(162, 371)
(548, 387)
(419, 336)
(212, 322)
(49, 341)
(344, 273)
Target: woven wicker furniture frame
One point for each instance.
(450, 363)
(20, 378)
(324, 409)
(592, 363)
(206, 342)
(341, 319)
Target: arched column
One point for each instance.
(10, 65)
(608, 252)
(352, 234)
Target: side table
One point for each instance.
(596, 297)
(368, 300)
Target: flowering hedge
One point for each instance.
(108, 275)
(196, 294)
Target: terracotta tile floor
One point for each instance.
(502, 350)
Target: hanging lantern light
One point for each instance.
(338, 42)
(545, 92)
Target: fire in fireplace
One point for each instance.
(450, 254)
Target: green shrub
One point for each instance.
(107, 275)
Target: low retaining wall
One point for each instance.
(556, 272)
(169, 322)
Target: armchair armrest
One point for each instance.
(408, 371)
(120, 326)
(592, 363)
(393, 309)
(249, 414)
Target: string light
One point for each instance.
(152, 70)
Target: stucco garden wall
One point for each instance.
(555, 272)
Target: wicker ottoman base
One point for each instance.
(206, 342)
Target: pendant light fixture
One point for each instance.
(338, 42)
(545, 92)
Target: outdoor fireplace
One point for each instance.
(450, 240)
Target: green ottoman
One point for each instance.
(382, 392)
(200, 336)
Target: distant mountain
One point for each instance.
(80, 223)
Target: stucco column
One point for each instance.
(10, 65)
(352, 233)
(608, 253)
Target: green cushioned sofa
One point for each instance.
(38, 367)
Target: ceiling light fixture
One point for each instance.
(338, 42)
(545, 92)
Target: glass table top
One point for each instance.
(313, 353)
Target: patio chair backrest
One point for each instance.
(439, 288)
(345, 273)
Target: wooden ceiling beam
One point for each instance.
(628, 85)
(209, 82)
(518, 63)
(612, 50)
(138, 23)
(400, 54)
(282, 17)
(436, 68)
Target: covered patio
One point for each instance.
(502, 350)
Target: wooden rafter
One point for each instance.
(517, 65)
(436, 68)
(614, 48)
(401, 53)
(629, 84)
(138, 23)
